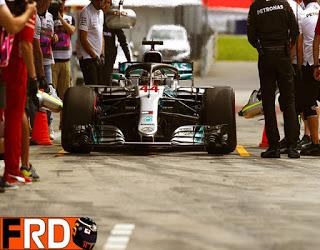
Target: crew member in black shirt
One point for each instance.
(111, 39)
(272, 30)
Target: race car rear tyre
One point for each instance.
(78, 111)
(219, 108)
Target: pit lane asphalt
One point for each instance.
(186, 199)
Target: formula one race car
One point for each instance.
(150, 106)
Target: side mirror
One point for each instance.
(118, 76)
(120, 18)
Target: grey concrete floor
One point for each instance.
(185, 199)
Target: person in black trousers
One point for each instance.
(91, 49)
(113, 37)
(272, 30)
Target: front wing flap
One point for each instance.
(193, 135)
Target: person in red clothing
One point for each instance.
(14, 24)
(15, 77)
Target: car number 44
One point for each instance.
(153, 88)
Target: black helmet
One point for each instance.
(54, 8)
(85, 233)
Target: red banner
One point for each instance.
(228, 3)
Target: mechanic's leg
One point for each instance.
(90, 71)
(287, 91)
(64, 82)
(57, 81)
(108, 68)
(305, 140)
(313, 123)
(48, 73)
(1, 137)
(299, 100)
(310, 103)
(305, 124)
(25, 141)
(57, 86)
(55, 75)
(310, 111)
(298, 85)
(268, 88)
(26, 170)
(104, 75)
(32, 111)
(16, 97)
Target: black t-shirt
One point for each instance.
(272, 22)
(110, 43)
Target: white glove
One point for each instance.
(53, 92)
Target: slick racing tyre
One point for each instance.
(219, 108)
(77, 118)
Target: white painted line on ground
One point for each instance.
(115, 239)
(121, 232)
(119, 237)
(115, 247)
(125, 226)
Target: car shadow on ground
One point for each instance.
(141, 150)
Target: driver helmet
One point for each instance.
(144, 76)
(85, 233)
(159, 77)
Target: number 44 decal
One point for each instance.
(153, 88)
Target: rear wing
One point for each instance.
(185, 69)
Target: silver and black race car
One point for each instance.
(153, 103)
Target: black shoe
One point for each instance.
(29, 172)
(283, 143)
(283, 146)
(312, 150)
(293, 152)
(271, 153)
(284, 151)
(304, 142)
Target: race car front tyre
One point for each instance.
(77, 119)
(219, 109)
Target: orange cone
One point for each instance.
(40, 131)
(264, 142)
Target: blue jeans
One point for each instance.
(48, 74)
